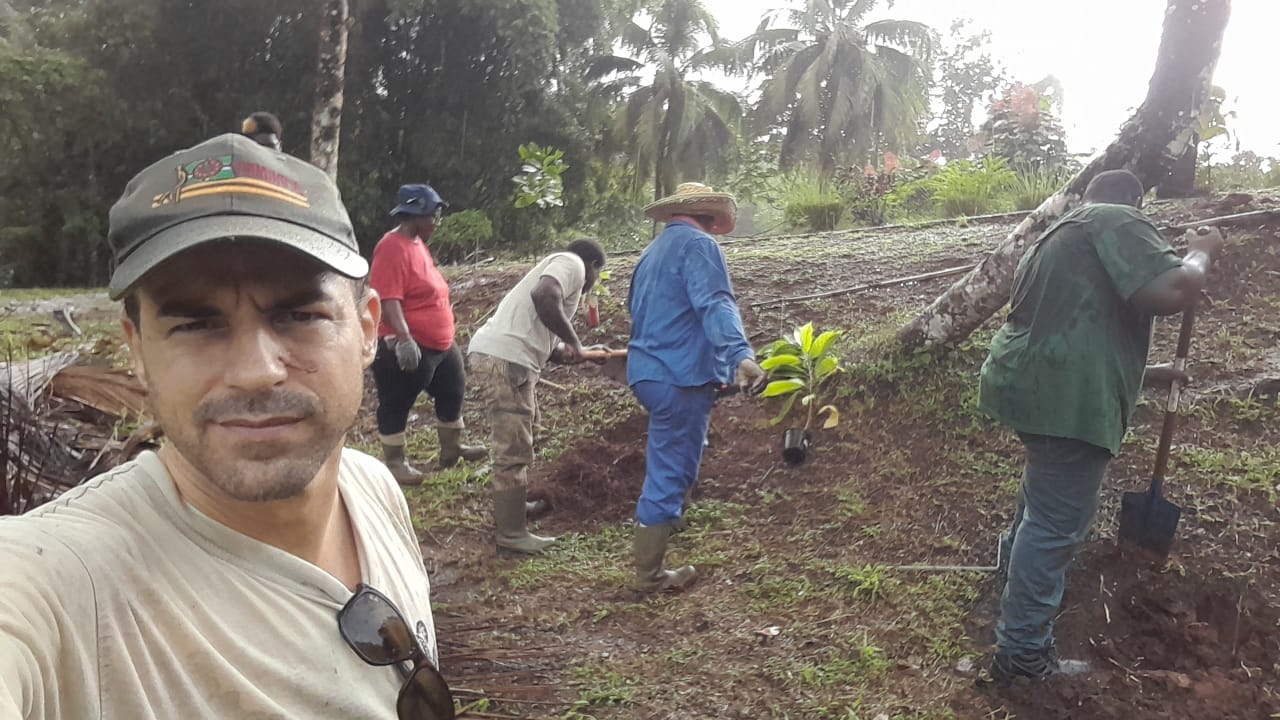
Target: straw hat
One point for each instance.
(697, 199)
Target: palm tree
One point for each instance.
(671, 126)
(839, 85)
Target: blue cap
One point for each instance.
(418, 200)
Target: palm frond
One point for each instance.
(918, 39)
(603, 66)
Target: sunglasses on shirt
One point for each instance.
(378, 633)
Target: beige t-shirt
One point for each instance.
(118, 600)
(515, 333)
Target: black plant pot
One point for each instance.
(795, 445)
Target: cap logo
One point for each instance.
(221, 175)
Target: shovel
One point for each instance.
(1147, 519)
(605, 354)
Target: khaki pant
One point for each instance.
(507, 390)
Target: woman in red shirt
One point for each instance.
(416, 351)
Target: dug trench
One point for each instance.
(1165, 642)
(598, 481)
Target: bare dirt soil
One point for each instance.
(802, 609)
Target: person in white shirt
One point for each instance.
(253, 567)
(532, 326)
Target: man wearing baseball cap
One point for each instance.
(252, 567)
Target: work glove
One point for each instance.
(408, 355)
(749, 376)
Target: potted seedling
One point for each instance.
(800, 368)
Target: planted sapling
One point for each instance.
(800, 368)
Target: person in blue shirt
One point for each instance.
(686, 340)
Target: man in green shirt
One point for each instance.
(1065, 372)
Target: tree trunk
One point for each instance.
(1149, 144)
(326, 118)
(1182, 181)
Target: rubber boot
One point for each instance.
(681, 523)
(511, 526)
(1005, 668)
(401, 470)
(650, 550)
(452, 449)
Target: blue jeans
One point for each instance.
(1057, 504)
(678, 422)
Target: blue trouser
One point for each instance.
(678, 421)
(1058, 500)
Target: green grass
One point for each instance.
(1247, 471)
(868, 582)
(588, 410)
(599, 559)
(598, 686)
(932, 613)
(33, 294)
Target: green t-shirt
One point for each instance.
(1069, 360)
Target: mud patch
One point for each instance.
(1163, 641)
(597, 480)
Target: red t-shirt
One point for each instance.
(403, 270)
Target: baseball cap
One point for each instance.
(228, 187)
(419, 199)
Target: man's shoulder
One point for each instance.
(99, 520)
(1108, 216)
(371, 477)
(563, 266)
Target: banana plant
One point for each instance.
(799, 367)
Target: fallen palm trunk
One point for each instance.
(1149, 144)
(111, 391)
(47, 448)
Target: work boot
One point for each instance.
(1042, 665)
(451, 448)
(401, 470)
(650, 549)
(511, 524)
(535, 508)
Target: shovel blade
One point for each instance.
(1148, 521)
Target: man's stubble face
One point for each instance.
(254, 363)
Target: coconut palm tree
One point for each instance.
(837, 86)
(671, 125)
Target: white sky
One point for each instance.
(1102, 51)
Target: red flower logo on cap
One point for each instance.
(207, 169)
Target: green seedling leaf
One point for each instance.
(822, 342)
(778, 388)
(786, 409)
(826, 367)
(777, 361)
(804, 338)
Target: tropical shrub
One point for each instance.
(460, 234)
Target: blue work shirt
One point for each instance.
(685, 327)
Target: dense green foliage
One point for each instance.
(612, 101)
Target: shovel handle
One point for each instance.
(603, 354)
(1171, 408)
